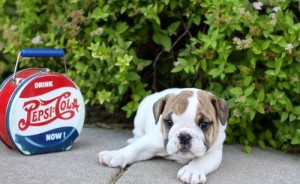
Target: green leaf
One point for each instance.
(289, 106)
(296, 110)
(249, 90)
(99, 13)
(271, 72)
(121, 27)
(197, 19)
(203, 64)
(265, 44)
(236, 27)
(269, 135)
(273, 143)
(244, 69)
(250, 135)
(173, 27)
(104, 96)
(215, 72)
(292, 117)
(183, 62)
(256, 47)
(296, 139)
(260, 108)
(237, 91)
(252, 115)
(230, 68)
(261, 95)
(261, 144)
(272, 102)
(247, 80)
(284, 116)
(133, 76)
(130, 108)
(176, 69)
(247, 149)
(278, 64)
(122, 89)
(163, 40)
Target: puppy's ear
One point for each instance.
(158, 108)
(221, 108)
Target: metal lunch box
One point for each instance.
(40, 111)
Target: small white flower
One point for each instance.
(237, 41)
(247, 109)
(241, 99)
(13, 27)
(280, 96)
(247, 43)
(276, 9)
(97, 32)
(242, 43)
(37, 40)
(258, 5)
(295, 79)
(175, 63)
(273, 22)
(289, 47)
(272, 15)
(236, 113)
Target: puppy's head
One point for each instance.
(191, 122)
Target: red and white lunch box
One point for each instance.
(40, 111)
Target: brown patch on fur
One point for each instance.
(209, 110)
(171, 103)
(158, 107)
(177, 103)
(165, 131)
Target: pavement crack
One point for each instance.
(115, 178)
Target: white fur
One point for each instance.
(148, 141)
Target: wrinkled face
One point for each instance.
(190, 121)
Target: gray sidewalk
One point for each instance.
(80, 165)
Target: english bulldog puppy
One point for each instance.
(186, 125)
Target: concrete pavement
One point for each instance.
(80, 165)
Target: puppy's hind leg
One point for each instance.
(139, 127)
(137, 133)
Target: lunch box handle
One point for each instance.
(42, 52)
(39, 52)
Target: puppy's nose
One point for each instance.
(184, 138)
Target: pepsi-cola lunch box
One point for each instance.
(41, 111)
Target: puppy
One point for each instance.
(186, 125)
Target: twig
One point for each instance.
(164, 50)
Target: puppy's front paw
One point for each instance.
(112, 159)
(189, 174)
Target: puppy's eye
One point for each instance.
(204, 126)
(169, 123)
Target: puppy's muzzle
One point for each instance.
(185, 142)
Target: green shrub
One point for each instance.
(118, 51)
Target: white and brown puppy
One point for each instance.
(186, 125)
